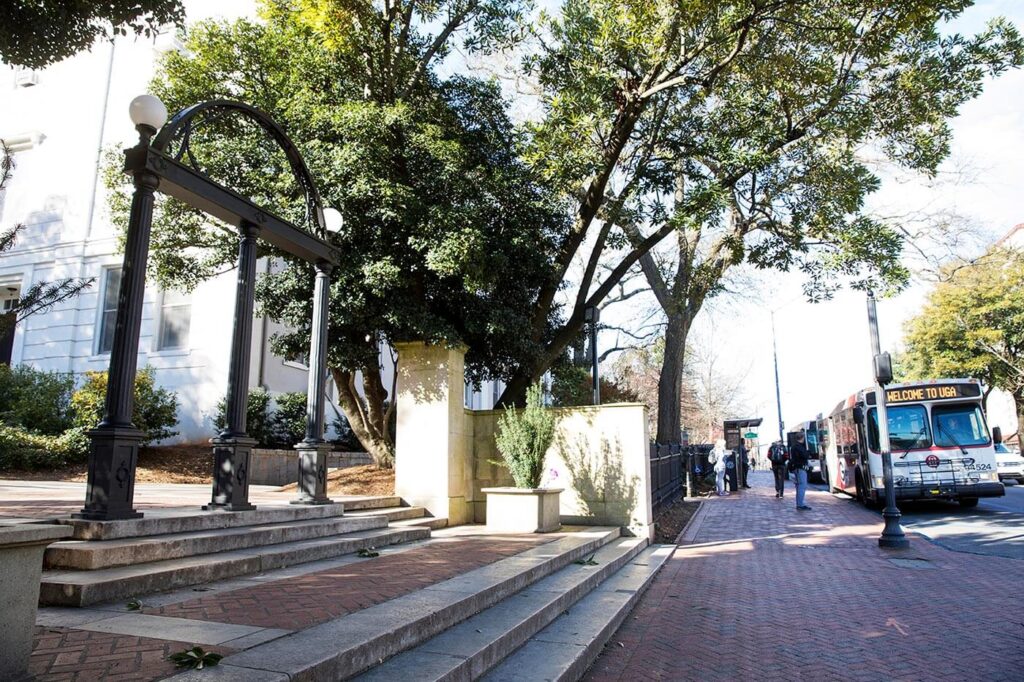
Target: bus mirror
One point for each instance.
(883, 369)
(858, 415)
(997, 434)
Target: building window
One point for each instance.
(175, 316)
(108, 313)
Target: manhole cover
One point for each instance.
(912, 563)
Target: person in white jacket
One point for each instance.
(718, 455)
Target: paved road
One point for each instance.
(995, 527)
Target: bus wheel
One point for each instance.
(862, 495)
(968, 502)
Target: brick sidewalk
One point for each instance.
(769, 593)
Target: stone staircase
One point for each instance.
(543, 614)
(168, 549)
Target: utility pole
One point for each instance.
(892, 535)
(592, 316)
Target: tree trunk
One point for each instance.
(670, 383)
(367, 416)
(1018, 403)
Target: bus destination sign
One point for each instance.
(932, 392)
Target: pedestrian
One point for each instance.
(799, 463)
(743, 462)
(718, 457)
(777, 457)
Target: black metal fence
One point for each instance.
(672, 466)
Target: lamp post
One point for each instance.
(892, 534)
(592, 316)
(114, 443)
(778, 395)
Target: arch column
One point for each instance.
(313, 450)
(232, 448)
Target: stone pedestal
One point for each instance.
(433, 448)
(523, 510)
(21, 566)
(312, 473)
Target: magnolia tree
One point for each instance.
(447, 234)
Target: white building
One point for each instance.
(58, 121)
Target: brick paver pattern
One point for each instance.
(66, 655)
(306, 600)
(767, 592)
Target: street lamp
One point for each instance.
(592, 315)
(892, 534)
(114, 443)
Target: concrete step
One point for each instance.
(564, 650)
(377, 502)
(392, 514)
(471, 648)
(96, 554)
(347, 646)
(81, 588)
(431, 522)
(168, 521)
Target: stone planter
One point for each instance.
(21, 565)
(523, 510)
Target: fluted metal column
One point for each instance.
(232, 448)
(114, 447)
(313, 450)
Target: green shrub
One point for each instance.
(257, 416)
(36, 401)
(289, 419)
(155, 411)
(20, 449)
(524, 437)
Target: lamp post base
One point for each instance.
(312, 474)
(110, 490)
(231, 474)
(893, 536)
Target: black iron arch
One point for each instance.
(175, 139)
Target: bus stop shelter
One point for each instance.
(736, 431)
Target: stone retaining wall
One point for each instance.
(281, 467)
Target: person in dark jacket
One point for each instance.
(743, 462)
(778, 457)
(799, 463)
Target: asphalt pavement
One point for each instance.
(994, 528)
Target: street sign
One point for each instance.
(750, 434)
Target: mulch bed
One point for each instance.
(362, 480)
(671, 520)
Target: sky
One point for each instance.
(823, 349)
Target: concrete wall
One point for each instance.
(281, 467)
(445, 453)
(599, 457)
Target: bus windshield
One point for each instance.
(957, 425)
(908, 428)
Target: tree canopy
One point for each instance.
(37, 33)
(972, 325)
(446, 234)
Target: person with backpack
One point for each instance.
(777, 458)
(718, 455)
(799, 463)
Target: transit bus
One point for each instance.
(811, 441)
(940, 443)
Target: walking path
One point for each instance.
(761, 591)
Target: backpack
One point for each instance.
(778, 455)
